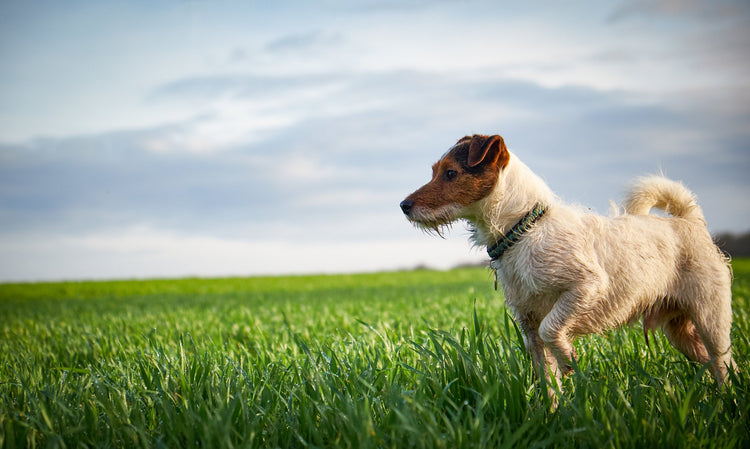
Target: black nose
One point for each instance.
(406, 206)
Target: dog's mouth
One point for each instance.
(433, 221)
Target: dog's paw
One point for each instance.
(567, 367)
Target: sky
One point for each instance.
(149, 139)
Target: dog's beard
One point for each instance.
(435, 222)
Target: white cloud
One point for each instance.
(551, 45)
(296, 169)
(226, 123)
(344, 198)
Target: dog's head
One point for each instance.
(466, 174)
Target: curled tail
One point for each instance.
(662, 193)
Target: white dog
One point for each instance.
(567, 273)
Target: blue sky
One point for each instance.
(209, 138)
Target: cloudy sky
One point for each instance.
(208, 138)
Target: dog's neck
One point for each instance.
(517, 191)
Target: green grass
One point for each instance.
(409, 359)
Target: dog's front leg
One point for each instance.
(556, 328)
(544, 363)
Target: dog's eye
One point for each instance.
(450, 175)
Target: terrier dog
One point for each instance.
(567, 273)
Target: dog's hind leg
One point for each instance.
(701, 342)
(683, 335)
(714, 329)
(707, 304)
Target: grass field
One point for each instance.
(408, 359)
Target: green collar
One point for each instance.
(497, 250)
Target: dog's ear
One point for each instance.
(481, 146)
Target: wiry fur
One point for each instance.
(575, 273)
(438, 221)
(512, 197)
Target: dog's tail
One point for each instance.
(662, 193)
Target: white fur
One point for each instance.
(577, 273)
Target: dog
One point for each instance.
(567, 272)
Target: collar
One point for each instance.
(505, 242)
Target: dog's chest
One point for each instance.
(524, 291)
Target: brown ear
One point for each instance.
(480, 147)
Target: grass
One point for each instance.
(408, 359)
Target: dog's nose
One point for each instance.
(406, 206)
